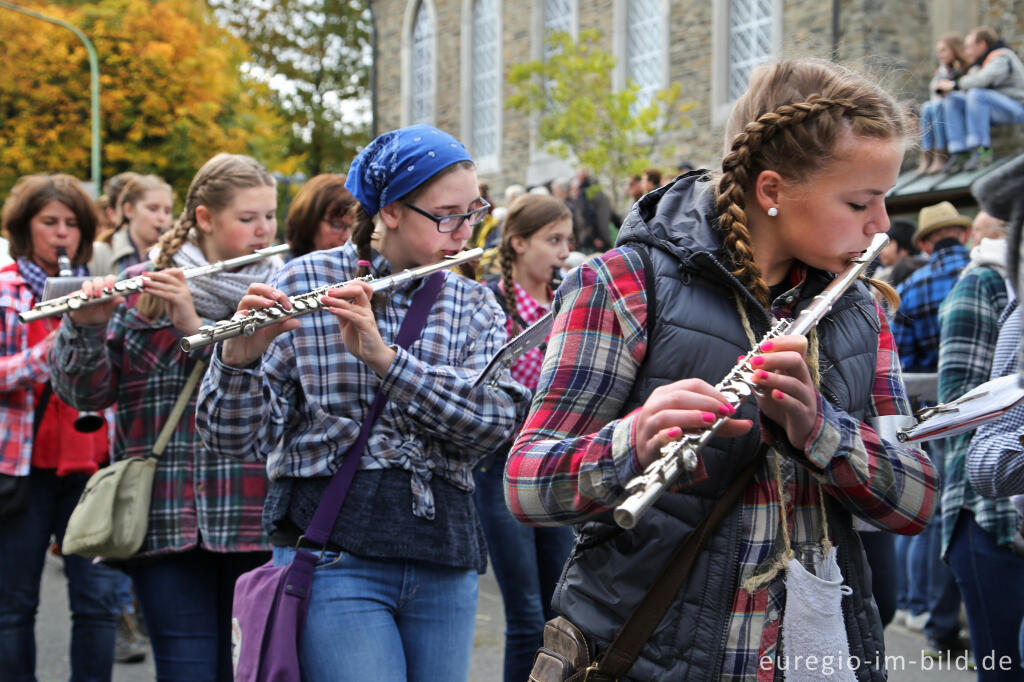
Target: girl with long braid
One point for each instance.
(642, 334)
(394, 593)
(204, 520)
(535, 242)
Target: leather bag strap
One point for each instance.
(638, 628)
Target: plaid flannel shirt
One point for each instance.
(969, 319)
(915, 326)
(575, 453)
(21, 368)
(199, 498)
(526, 369)
(995, 460)
(310, 395)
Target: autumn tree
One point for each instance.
(581, 114)
(317, 54)
(171, 92)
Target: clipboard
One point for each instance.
(529, 338)
(983, 403)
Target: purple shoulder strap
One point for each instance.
(330, 504)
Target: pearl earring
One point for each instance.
(773, 211)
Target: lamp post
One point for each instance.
(94, 83)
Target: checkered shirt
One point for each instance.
(969, 320)
(526, 370)
(575, 453)
(310, 395)
(199, 498)
(915, 326)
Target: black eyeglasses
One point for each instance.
(338, 224)
(450, 223)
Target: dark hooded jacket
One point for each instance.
(696, 332)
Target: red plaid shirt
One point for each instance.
(527, 368)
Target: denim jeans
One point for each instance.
(927, 565)
(991, 579)
(527, 563)
(970, 115)
(186, 602)
(24, 541)
(933, 126)
(379, 619)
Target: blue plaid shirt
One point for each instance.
(301, 406)
(915, 326)
(995, 459)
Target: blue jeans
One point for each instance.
(24, 541)
(527, 563)
(186, 602)
(378, 619)
(991, 579)
(933, 126)
(970, 116)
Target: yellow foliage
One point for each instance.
(171, 92)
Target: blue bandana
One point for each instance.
(398, 162)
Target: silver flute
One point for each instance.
(75, 300)
(681, 455)
(246, 322)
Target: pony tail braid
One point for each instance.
(170, 243)
(362, 233)
(505, 258)
(892, 299)
(732, 220)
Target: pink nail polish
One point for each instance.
(675, 432)
(757, 361)
(707, 417)
(725, 408)
(761, 375)
(767, 345)
(778, 395)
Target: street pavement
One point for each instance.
(903, 647)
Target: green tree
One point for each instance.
(317, 55)
(582, 115)
(171, 92)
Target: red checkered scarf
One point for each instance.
(527, 369)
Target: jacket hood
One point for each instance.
(678, 218)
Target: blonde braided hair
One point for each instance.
(214, 186)
(790, 120)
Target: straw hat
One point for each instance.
(942, 214)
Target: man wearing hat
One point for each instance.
(941, 233)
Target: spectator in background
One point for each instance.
(487, 234)
(900, 257)
(319, 215)
(595, 216)
(143, 214)
(941, 233)
(635, 188)
(112, 189)
(651, 180)
(684, 166)
(992, 91)
(949, 50)
(513, 192)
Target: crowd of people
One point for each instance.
(810, 524)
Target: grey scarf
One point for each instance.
(216, 296)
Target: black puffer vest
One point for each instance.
(698, 333)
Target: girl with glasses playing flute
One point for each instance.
(394, 594)
(641, 335)
(204, 520)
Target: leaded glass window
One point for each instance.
(750, 40)
(486, 79)
(421, 96)
(645, 49)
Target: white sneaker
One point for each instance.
(900, 617)
(917, 623)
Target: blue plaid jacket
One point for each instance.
(915, 326)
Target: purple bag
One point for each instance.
(270, 602)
